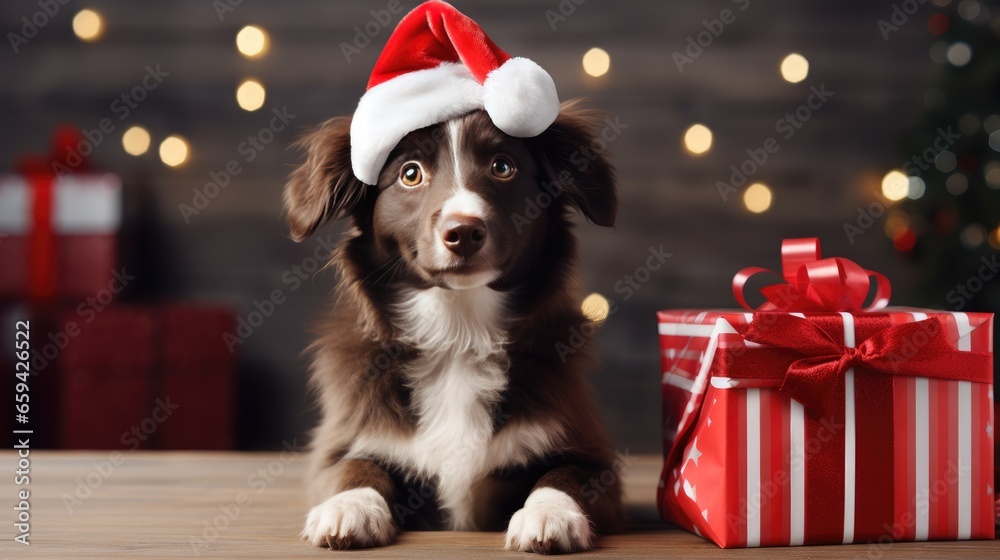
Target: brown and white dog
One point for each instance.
(446, 400)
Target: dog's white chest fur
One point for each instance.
(458, 378)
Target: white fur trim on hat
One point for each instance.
(521, 98)
(391, 110)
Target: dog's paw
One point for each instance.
(549, 522)
(357, 518)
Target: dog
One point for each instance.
(451, 397)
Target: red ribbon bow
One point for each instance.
(810, 365)
(814, 284)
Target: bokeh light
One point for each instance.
(991, 124)
(88, 25)
(956, 183)
(698, 139)
(916, 188)
(969, 9)
(973, 235)
(174, 151)
(945, 162)
(939, 52)
(252, 41)
(794, 68)
(596, 62)
(136, 141)
(595, 307)
(895, 185)
(757, 198)
(251, 95)
(959, 54)
(938, 24)
(992, 175)
(896, 223)
(905, 240)
(995, 140)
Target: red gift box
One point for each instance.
(106, 381)
(135, 377)
(199, 373)
(794, 425)
(58, 235)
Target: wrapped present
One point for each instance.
(106, 379)
(199, 376)
(818, 417)
(132, 377)
(58, 232)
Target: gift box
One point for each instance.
(58, 235)
(818, 417)
(106, 379)
(132, 377)
(158, 377)
(58, 231)
(199, 376)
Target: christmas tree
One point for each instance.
(948, 223)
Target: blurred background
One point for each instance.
(170, 310)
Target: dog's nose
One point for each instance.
(464, 235)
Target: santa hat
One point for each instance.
(437, 65)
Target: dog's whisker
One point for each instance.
(377, 270)
(398, 260)
(396, 269)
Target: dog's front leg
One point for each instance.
(557, 519)
(353, 510)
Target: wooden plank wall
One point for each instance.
(235, 251)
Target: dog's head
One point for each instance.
(460, 203)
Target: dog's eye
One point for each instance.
(502, 167)
(411, 175)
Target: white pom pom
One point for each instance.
(521, 98)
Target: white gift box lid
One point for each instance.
(82, 204)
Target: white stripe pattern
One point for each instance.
(964, 460)
(15, 206)
(964, 436)
(922, 452)
(87, 204)
(679, 381)
(797, 479)
(82, 204)
(686, 329)
(850, 436)
(753, 468)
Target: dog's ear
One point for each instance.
(574, 156)
(324, 186)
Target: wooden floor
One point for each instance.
(249, 505)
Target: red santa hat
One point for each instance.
(438, 65)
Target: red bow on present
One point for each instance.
(41, 172)
(810, 365)
(814, 284)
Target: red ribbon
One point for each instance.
(814, 284)
(42, 239)
(810, 364)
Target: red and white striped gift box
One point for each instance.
(901, 458)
